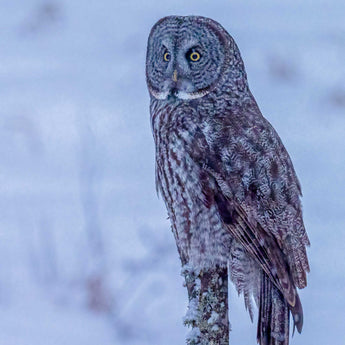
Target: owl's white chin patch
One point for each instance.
(179, 94)
(191, 95)
(159, 94)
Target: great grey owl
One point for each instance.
(228, 183)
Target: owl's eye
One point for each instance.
(166, 56)
(193, 55)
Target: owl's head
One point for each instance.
(188, 57)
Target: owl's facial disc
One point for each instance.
(185, 57)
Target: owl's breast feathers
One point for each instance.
(247, 173)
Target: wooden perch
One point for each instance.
(207, 313)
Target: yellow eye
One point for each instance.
(166, 56)
(194, 56)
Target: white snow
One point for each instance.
(213, 318)
(215, 328)
(192, 311)
(193, 334)
(86, 251)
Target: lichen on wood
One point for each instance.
(207, 313)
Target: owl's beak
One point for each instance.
(174, 76)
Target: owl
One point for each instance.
(228, 183)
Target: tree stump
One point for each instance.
(207, 313)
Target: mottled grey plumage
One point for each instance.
(228, 183)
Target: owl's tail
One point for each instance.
(274, 311)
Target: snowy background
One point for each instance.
(86, 253)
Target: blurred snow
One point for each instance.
(87, 256)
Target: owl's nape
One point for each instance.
(185, 57)
(231, 192)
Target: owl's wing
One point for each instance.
(260, 244)
(257, 194)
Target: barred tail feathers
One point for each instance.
(273, 322)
